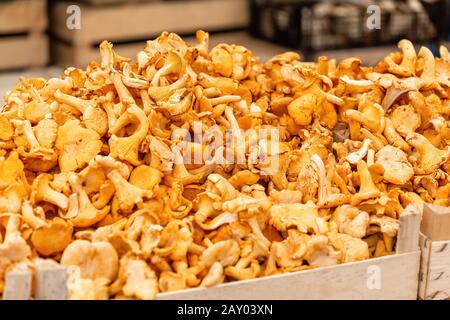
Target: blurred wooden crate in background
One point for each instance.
(107, 2)
(129, 24)
(23, 42)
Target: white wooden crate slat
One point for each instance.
(23, 42)
(435, 246)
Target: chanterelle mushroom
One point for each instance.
(225, 252)
(353, 249)
(49, 237)
(395, 163)
(43, 192)
(83, 288)
(127, 194)
(430, 156)
(14, 247)
(350, 220)
(77, 145)
(10, 170)
(127, 148)
(86, 213)
(139, 279)
(97, 260)
(302, 216)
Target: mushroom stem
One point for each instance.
(12, 228)
(254, 225)
(158, 74)
(30, 218)
(80, 104)
(224, 218)
(409, 55)
(334, 99)
(225, 99)
(28, 131)
(43, 192)
(356, 156)
(124, 94)
(73, 208)
(326, 197)
(367, 188)
(429, 66)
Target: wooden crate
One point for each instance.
(108, 2)
(23, 42)
(389, 277)
(128, 25)
(435, 246)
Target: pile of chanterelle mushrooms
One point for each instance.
(89, 177)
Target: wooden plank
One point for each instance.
(436, 222)
(51, 280)
(408, 233)
(435, 265)
(425, 246)
(139, 21)
(398, 275)
(23, 51)
(18, 283)
(438, 273)
(23, 16)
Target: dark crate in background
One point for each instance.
(313, 26)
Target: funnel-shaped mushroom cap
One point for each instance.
(396, 167)
(86, 213)
(127, 148)
(431, 157)
(52, 238)
(77, 145)
(96, 260)
(225, 252)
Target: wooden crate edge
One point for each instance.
(409, 230)
(436, 222)
(424, 243)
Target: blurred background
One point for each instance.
(41, 38)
